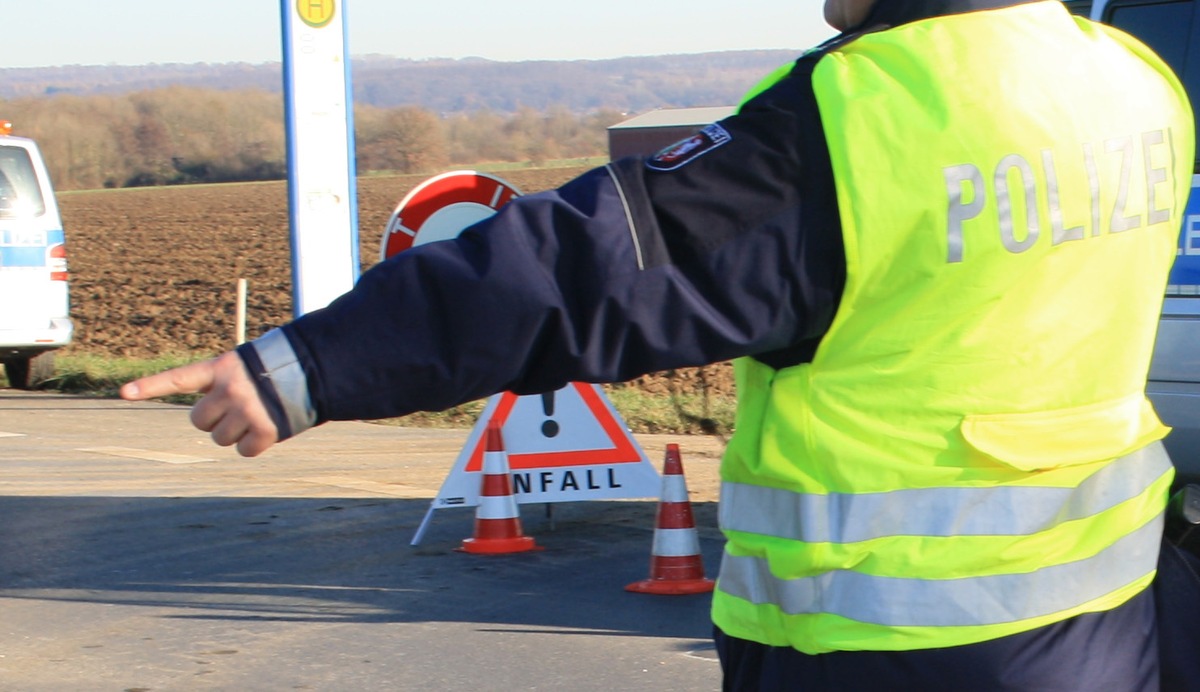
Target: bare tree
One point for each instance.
(406, 139)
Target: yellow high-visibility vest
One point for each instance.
(970, 453)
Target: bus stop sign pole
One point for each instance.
(318, 105)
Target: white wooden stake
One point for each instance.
(241, 311)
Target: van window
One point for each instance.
(1164, 26)
(1082, 8)
(1167, 28)
(20, 194)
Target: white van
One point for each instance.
(34, 308)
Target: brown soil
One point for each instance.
(155, 271)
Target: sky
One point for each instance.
(40, 33)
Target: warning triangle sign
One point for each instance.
(574, 426)
(564, 446)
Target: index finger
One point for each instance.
(187, 379)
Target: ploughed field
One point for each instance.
(154, 271)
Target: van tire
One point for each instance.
(27, 372)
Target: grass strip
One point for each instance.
(702, 413)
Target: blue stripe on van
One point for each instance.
(1186, 270)
(29, 255)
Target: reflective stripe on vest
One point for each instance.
(954, 511)
(965, 602)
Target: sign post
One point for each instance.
(322, 204)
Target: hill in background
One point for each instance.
(629, 85)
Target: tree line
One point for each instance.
(630, 84)
(179, 135)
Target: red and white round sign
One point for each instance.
(441, 207)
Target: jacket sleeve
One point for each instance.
(635, 267)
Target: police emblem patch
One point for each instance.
(690, 149)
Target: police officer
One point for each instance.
(937, 246)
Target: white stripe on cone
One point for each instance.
(676, 542)
(674, 488)
(497, 507)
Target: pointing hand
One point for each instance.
(230, 409)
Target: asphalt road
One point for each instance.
(137, 556)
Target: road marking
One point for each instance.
(4, 434)
(146, 454)
(393, 489)
(708, 653)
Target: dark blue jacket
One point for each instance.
(626, 270)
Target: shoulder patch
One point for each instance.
(684, 152)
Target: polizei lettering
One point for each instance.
(564, 481)
(1026, 193)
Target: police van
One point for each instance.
(34, 308)
(1172, 29)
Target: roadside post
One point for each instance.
(322, 204)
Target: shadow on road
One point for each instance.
(344, 561)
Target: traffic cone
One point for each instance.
(675, 563)
(497, 520)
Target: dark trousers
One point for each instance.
(1114, 651)
(1177, 590)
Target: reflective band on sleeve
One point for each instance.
(972, 601)
(288, 379)
(995, 511)
(676, 543)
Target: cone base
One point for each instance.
(499, 546)
(672, 587)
